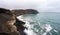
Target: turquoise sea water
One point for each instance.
(44, 23)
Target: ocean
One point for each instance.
(44, 23)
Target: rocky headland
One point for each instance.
(9, 24)
(25, 11)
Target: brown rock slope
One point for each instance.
(7, 20)
(9, 24)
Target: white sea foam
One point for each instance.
(47, 28)
(29, 31)
(55, 31)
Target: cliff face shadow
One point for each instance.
(19, 24)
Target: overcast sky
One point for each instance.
(40, 5)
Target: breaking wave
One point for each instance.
(41, 24)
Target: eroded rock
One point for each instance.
(9, 24)
(7, 20)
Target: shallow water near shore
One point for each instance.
(44, 23)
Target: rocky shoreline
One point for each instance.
(9, 24)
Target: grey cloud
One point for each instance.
(47, 6)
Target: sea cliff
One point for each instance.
(9, 24)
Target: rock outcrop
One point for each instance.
(19, 24)
(7, 20)
(26, 11)
(9, 24)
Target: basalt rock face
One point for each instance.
(26, 11)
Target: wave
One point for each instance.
(29, 31)
(37, 26)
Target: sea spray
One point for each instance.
(29, 31)
(42, 24)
